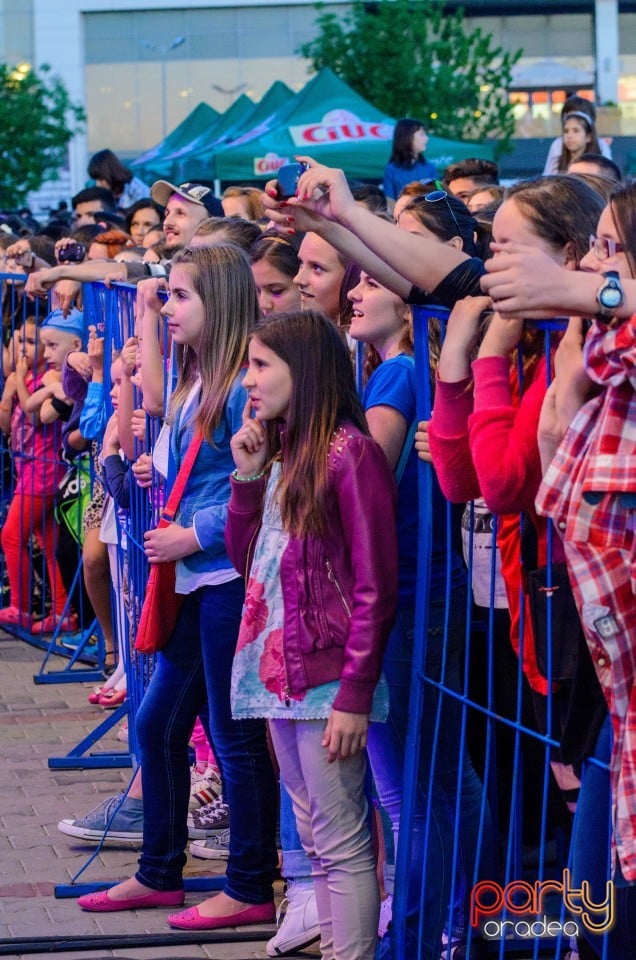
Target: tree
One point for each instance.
(37, 122)
(411, 58)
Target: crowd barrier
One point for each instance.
(520, 826)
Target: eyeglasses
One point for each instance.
(604, 247)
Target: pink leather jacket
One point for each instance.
(339, 590)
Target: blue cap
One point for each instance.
(72, 323)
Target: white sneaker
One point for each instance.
(204, 787)
(122, 733)
(386, 912)
(299, 926)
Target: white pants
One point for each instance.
(331, 813)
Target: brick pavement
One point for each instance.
(37, 722)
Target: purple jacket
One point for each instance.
(339, 590)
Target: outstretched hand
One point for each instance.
(322, 192)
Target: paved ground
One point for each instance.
(42, 721)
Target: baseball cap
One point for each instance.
(162, 190)
(73, 322)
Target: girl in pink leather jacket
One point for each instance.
(312, 525)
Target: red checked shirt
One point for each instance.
(589, 491)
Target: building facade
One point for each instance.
(140, 70)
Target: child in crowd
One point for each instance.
(579, 137)
(585, 112)
(211, 307)
(30, 411)
(313, 493)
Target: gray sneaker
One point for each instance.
(209, 820)
(127, 821)
(212, 848)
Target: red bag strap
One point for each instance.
(182, 478)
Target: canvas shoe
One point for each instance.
(122, 733)
(205, 787)
(212, 848)
(127, 822)
(209, 820)
(299, 925)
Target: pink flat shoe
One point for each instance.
(102, 903)
(96, 694)
(112, 698)
(191, 919)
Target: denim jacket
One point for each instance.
(205, 499)
(340, 589)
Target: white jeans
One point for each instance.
(331, 813)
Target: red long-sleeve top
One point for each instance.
(483, 441)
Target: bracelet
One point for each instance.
(257, 476)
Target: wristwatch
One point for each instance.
(609, 296)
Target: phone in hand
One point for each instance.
(287, 179)
(72, 253)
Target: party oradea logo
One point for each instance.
(519, 909)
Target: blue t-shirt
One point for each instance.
(396, 177)
(393, 384)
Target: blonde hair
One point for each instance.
(252, 197)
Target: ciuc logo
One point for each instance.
(489, 900)
(340, 126)
(270, 163)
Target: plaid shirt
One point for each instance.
(589, 491)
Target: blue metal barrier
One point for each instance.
(530, 842)
(529, 838)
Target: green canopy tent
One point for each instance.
(228, 123)
(198, 164)
(330, 122)
(155, 163)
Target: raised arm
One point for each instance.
(423, 262)
(523, 281)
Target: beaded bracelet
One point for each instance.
(257, 476)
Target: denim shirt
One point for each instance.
(205, 499)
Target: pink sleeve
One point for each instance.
(448, 441)
(503, 437)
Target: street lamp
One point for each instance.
(163, 49)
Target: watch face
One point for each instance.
(611, 297)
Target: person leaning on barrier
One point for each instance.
(186, 207)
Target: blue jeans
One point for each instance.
(590, 853)
(295, 865)
(387, 755)
(191, 672)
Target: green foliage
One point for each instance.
(411, 58)
(37, 121)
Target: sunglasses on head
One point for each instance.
(440, 194)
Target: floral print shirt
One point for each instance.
(259, 683)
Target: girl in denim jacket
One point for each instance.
(213, 303)
(312, 515)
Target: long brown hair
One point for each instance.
(323, 397)
(622, 203)
(562, 210)
(222, 278)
